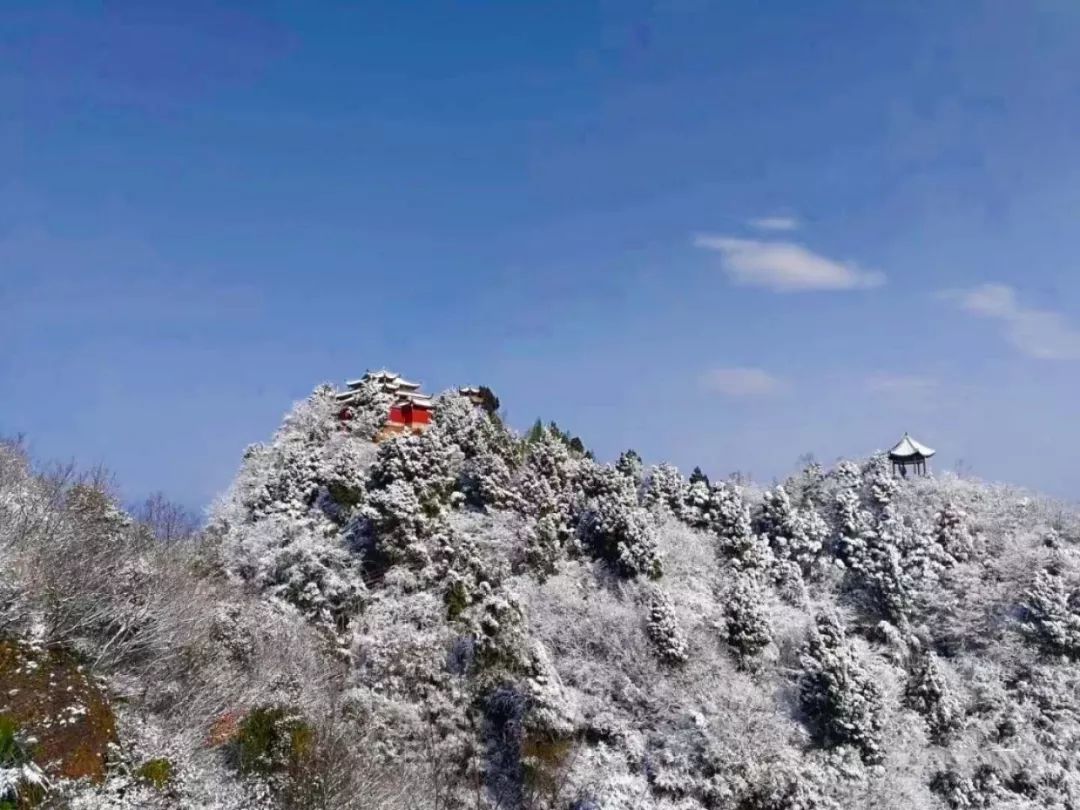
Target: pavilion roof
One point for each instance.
(908, 447)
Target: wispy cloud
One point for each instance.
(742, 382)
(774, 224)
(900, 384)
(1040, 333)
(785, 266)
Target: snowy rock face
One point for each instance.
(470, 618)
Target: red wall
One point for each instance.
(410, 415)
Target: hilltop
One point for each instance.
(465, 617)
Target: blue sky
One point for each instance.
(725, 234)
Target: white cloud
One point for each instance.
(1040, 333)
(900, 384)
(785, 266)
(775, 224)
(742, 382)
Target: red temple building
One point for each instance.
(410, 409)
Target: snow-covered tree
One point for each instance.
(629, 464)
(621, 532)
(794, 535)
(747, 550)
(497, 623)
(668, 639)
(665, 488)
(545, 545)
(394, 524)
(929, 693)
(842, 702)
(854, 523)
(303, 565)
(696, 508)
(487, 482)
(880, 481)
(1052, 614)
(547, 481)
(952, 531)
(747, 625)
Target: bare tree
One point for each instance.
(168, 520)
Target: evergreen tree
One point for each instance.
(952, 531)
(545, 543)
(629, 464)
(747, 550)
(794, 535)
(929, 694)
(843, 704)
(880, 482)
(488, 401)
(665, 633)
(621, 532)
(535, 432)
(697, 475)
(1052, 614)
(747, 621)
(664, 489)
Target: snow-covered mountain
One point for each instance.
(469, 618)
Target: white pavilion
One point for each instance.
(910, 454)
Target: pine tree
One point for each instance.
(795, 536)
(697, 475)
(665, 489)
(667, 636)
(548, 480)
(929, 694)
(747, 621)
(611, 523)
(883, 569)
(739, 543)
(952, 531)
(487, 482)
(879, 480)
(842, 703)
(629, 464)
(497, 623)
(1052, 615)
(545, 543)
(696, 508)
(536, 432)
(623, 534)
(315, 574)
(855, 531)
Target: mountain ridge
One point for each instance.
(466, 617)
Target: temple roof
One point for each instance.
(388, 382)
(421, 400)
(907, 447)
(388, 379)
